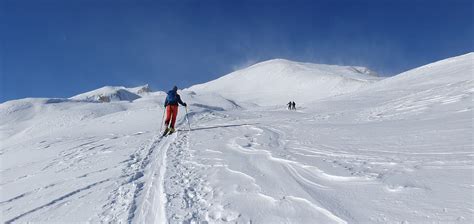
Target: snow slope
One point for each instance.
(275, 82)
(397, 151)
(429, 89)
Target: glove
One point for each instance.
(184, 104)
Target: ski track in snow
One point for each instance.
(141, 195)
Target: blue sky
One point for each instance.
(57, 48)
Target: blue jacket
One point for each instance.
(177, 98)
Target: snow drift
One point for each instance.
(275, 82)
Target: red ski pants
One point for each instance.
(171, 113)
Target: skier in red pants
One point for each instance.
(171, 105)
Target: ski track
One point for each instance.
(152, 206)
(181, 184)
(141, 195)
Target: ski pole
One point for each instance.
(189, 124)
(162, 120)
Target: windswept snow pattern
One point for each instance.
(397, 151)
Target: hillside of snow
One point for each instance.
(425, 90)
(275, 82)
(396, 151)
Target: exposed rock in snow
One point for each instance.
(140, 90)
(111, 93)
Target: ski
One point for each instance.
(168, 132)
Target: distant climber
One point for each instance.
(293, 105)
(289, 105)
(171, 105)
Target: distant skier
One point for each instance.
(289, 105)
(293, 105)
(171, 105)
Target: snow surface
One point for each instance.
(398, 150)
(279, 81)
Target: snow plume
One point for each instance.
(244, 64)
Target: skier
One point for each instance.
(171, 105)
(289, 105)
(293, 105)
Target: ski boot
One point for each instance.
(167, 130)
